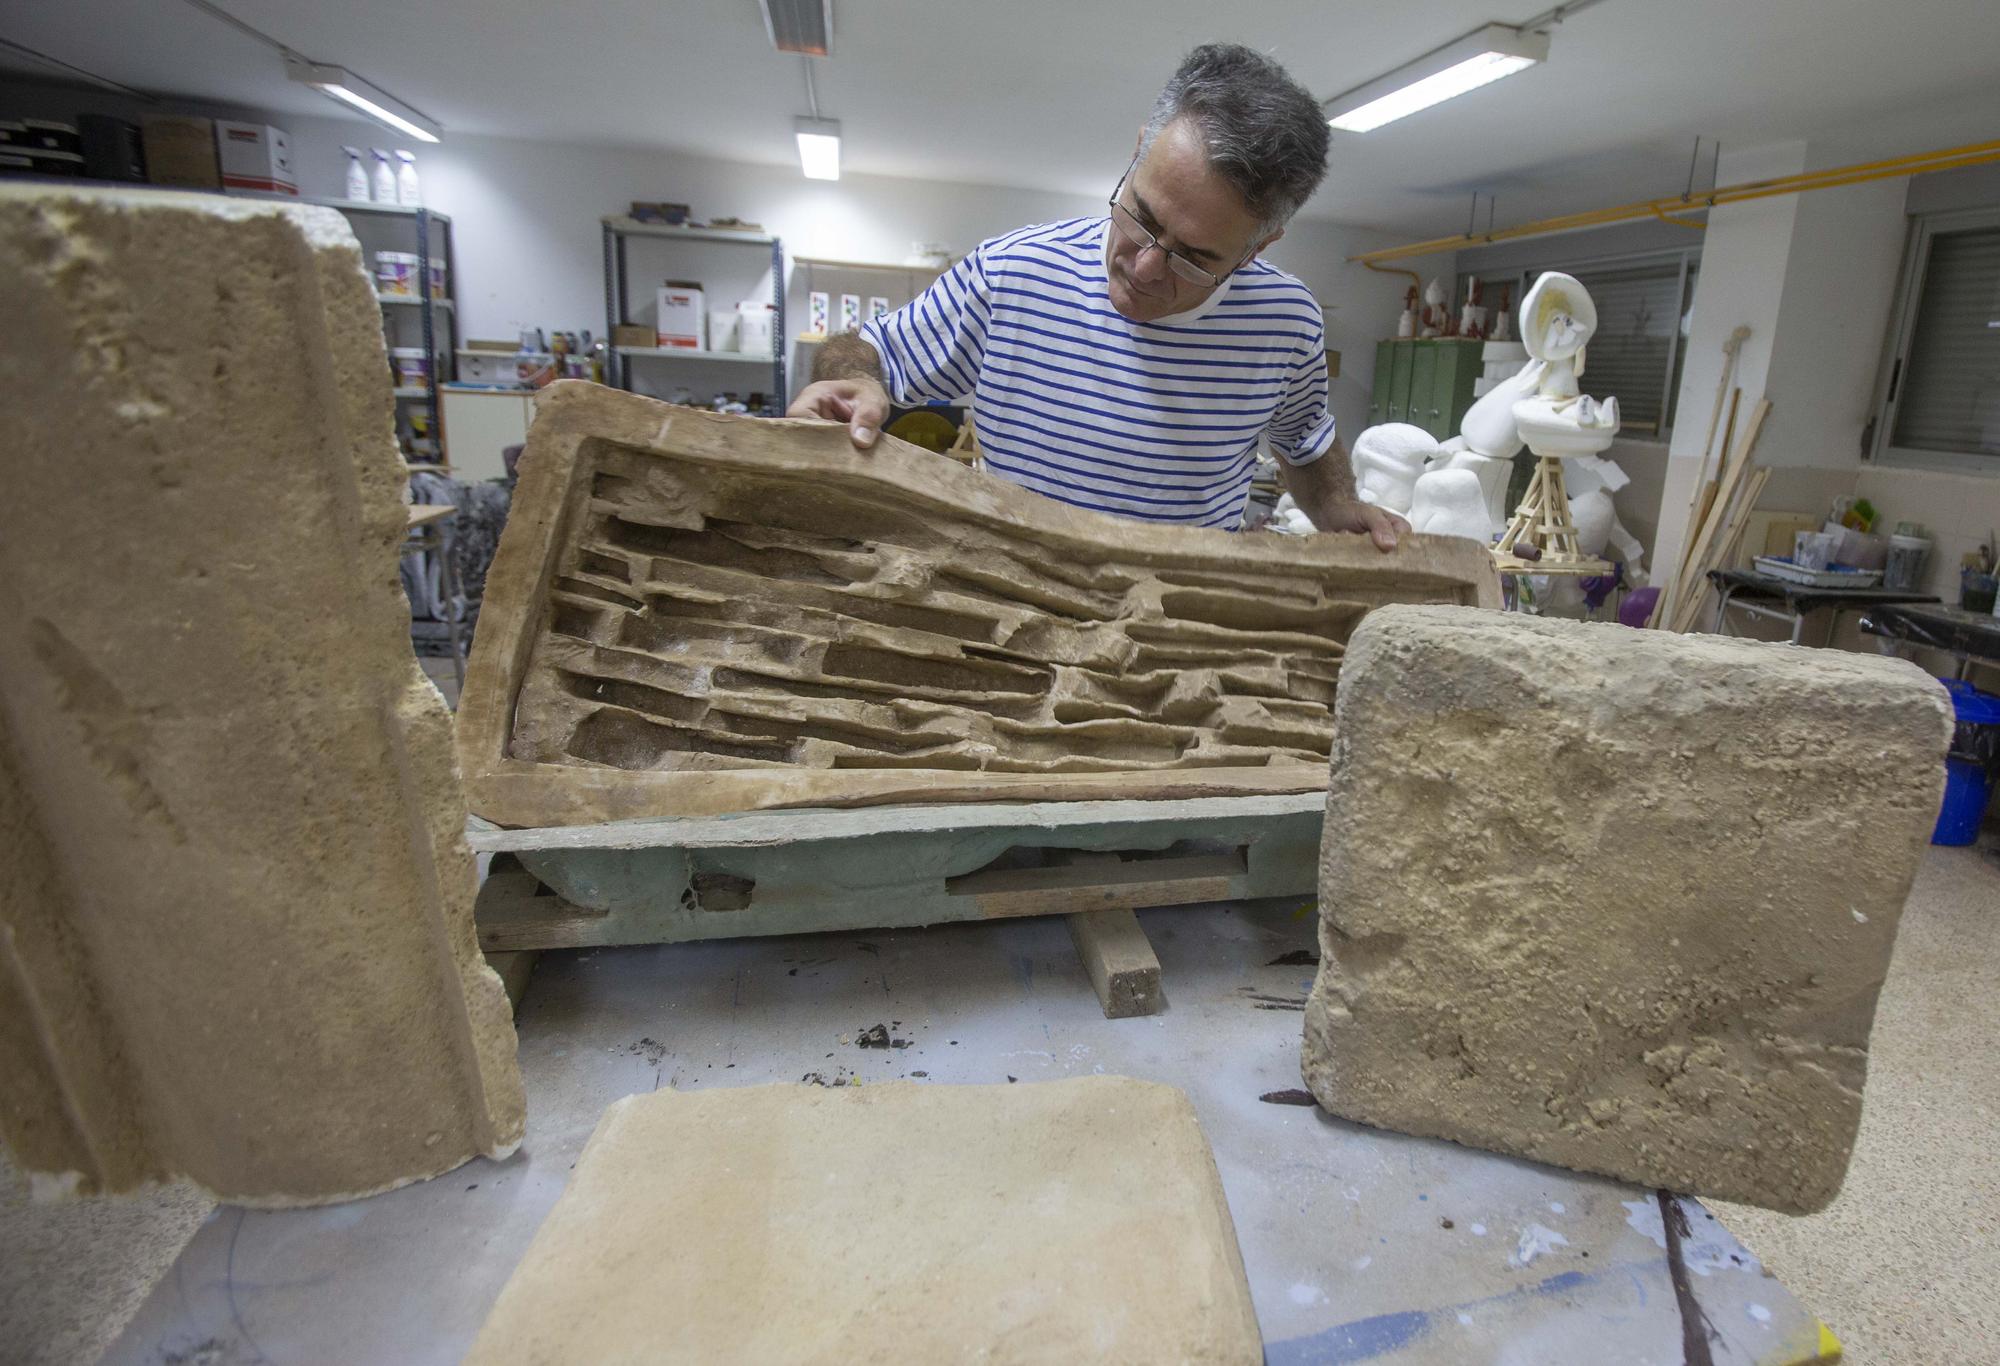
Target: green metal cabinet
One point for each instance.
(1426, 383)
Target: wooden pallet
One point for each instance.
(795, 872)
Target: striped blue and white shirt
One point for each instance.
(1075, 401)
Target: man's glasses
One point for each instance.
(1135, 232)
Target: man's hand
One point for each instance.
(1324, 490)
(861, 403)
(1382, 526)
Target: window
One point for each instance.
(1642, 316)
(1941, 395)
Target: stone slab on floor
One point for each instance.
(1075, 1220)
(236, 936)
(1616, 900)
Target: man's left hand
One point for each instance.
(1382, 526)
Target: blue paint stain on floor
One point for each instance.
(1361, 1340)
(1370, 1338)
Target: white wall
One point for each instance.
(528, 248)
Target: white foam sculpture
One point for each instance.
(1404, 469)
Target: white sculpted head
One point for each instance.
(1557, 317)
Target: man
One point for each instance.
(1131, 363)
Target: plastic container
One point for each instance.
(1905, 567)
(409, 193)
(385, 177)
(396, 274)
(1969, 768)
(412, 365)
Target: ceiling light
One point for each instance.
(341, 84)
(1474, 60)
(819, 147)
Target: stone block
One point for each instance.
(694, 614)
(236, 935)
(1616, 900)
(1074, 1220)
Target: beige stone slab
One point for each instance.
(236, 935)
(1617, 900)
(1076, 1220)
(695, 614)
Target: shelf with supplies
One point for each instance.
(632, 227)
(411, 300)
(659, 243)
(884, 267)
(693, 353)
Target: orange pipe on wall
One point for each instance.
(1947, 159)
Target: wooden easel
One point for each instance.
(1542, 522)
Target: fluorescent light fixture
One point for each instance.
(341, 84)
(819, 147)
(1477, 59)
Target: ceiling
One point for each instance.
(1048, 94)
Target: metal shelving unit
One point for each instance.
(437, 315)
(915, 279)
(618, 230)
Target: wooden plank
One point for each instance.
(423, 514)
(1113, 948)
(514, 968)
(771, 828)
(1062, 889)
(1114, 951)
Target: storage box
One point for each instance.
(181, 151)
(111, 149)
(255, 156)
(878, 306)
(754, 328)
(634, 334)
(850, 312)
(722, 329)
(816, 313)
(683, 316)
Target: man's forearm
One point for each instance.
(1321, 486)
(847, 357)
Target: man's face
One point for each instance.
(1178, 197)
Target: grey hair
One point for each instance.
(1265, 133)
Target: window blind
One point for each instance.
(1948, 395)
(1638, 314)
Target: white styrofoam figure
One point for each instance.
(1557, 322)
(1434, 310)
(1387, 459)
(1451, 503)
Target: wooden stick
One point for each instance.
(1701, 504)
(1733, 530)
(1692, 572)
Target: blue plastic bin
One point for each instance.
(1968, 783)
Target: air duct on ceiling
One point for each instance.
(803, 26)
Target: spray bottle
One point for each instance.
(385, 177)
(357, 175)
(407, 193)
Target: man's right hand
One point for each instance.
(861, 403)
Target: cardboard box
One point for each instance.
(878, 306)
(181, 151)
(683, 316)
(634, 334)
(255, 156)
(850, 312)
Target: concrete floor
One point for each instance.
(1903, 1265)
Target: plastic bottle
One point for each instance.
(357, 175)
(407, 193)
(385, 177)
